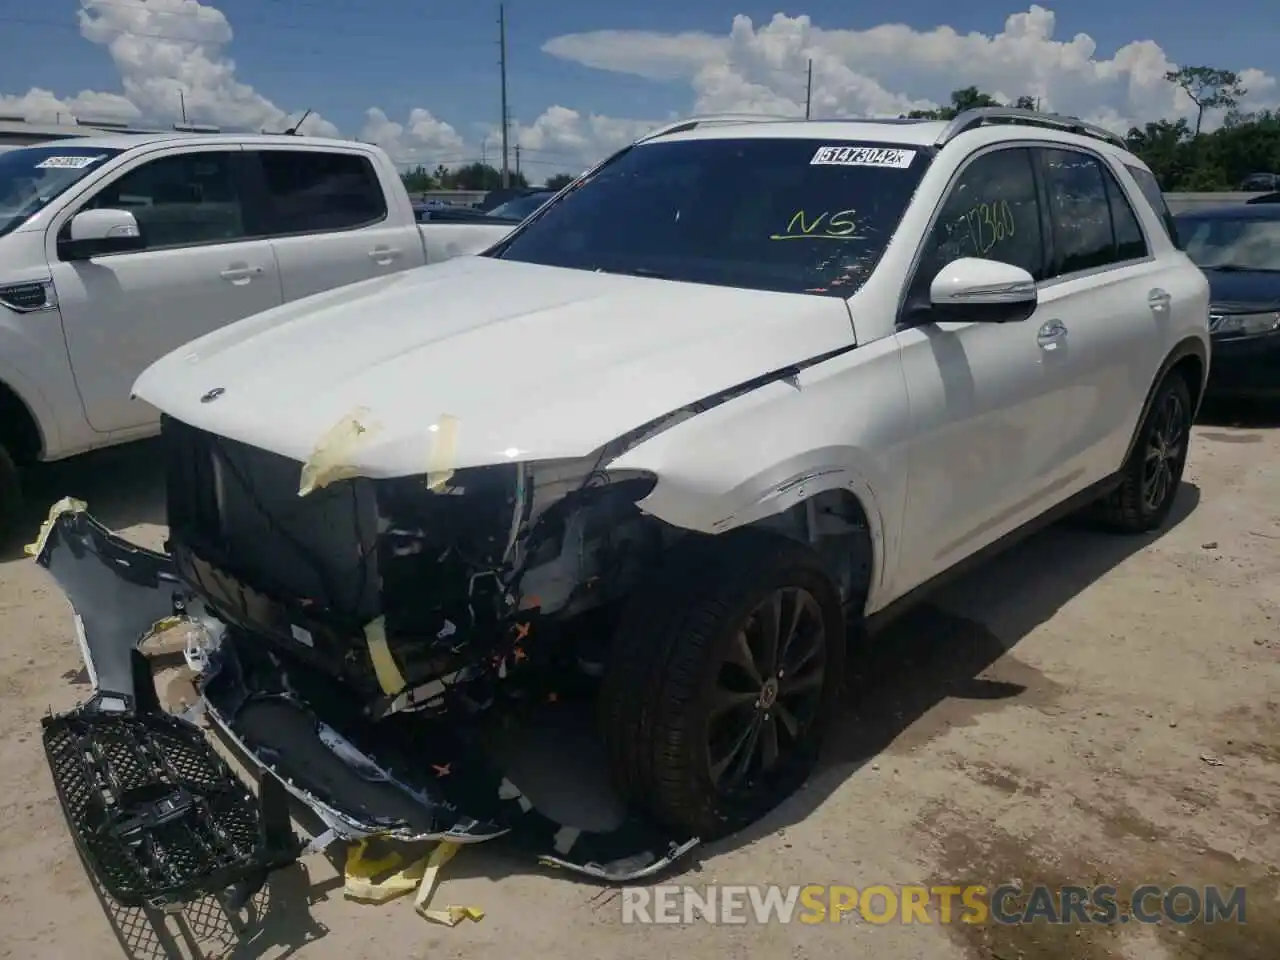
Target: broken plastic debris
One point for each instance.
(331, 459)
(444, 451)
(390, 679)
(422, 874)
(65, 505)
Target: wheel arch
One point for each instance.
(20, 430)
(820, 504)
(1189, 359)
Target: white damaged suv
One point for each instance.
(728, 401)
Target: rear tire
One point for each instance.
(706, 730)
(1152, 474)
(10, 497)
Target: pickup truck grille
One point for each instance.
(237, 507)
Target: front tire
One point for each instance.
(722, 682)
(1153, 472)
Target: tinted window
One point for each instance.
(1130, 243)
(32, 176)
(797, 216)
(1215, 243)
(1093, 222)
(991, 212)
(315, 192)
(179, 201)
(1151, 190)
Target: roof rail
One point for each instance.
(983, 116)
(680, 126)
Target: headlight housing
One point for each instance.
(1243, 324)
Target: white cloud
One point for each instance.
(892, 68)
(423, 139)
(170, 51)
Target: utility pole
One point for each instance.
(808, 91)
(182, 102)
(517, 159)
(502, 65)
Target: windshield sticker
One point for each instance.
(825, 226)
(863, 157)
(68, 163)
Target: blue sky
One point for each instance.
(342, 56)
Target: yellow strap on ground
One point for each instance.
(450, 916)
(65, 505)
(390, 679)
(361, 880)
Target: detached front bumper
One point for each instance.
(406, 776)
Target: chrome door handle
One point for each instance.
(240, 275)
(1051, 334)
(1159, 300)
(384, 255)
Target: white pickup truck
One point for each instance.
(115, 250)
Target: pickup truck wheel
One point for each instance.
(1154, 470)
(10, 496)
(723, 680)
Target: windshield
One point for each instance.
(32, 176)
(1219, 243)
(520, 207)
(796, 216)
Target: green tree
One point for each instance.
(559, 181)
(1181, 159)
(966, 99)
(1209, 89)
(418, 180)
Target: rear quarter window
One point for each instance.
(1151, 190)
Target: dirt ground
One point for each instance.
(1083, 710)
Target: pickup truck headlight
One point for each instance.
(1243, 324)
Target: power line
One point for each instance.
(502, 67)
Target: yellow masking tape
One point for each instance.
(331, 459)
(444, 451)
(390, 679)
(65, 505)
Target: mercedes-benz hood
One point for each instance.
(520, 361)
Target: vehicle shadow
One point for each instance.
(123, 486)
(1241, 414)
(277, 920)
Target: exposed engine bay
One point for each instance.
(401, 592)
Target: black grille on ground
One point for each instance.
(158, 816)
(238, 507)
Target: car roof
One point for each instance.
(1239, 211)
(898, 132)
(128, 141)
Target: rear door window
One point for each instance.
(1094, 226)
(313, 191)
